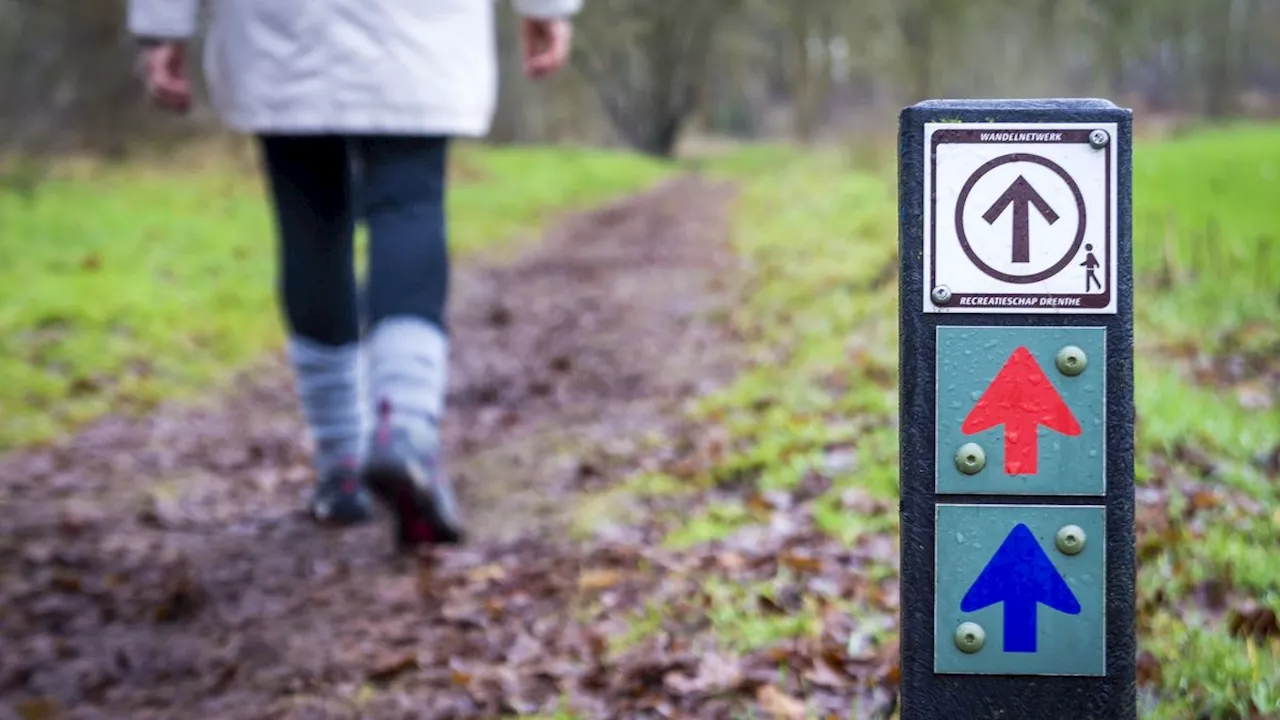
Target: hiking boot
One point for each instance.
(404, 470)
(339, 497)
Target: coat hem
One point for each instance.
(328, 120)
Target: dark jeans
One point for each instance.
(320, 186)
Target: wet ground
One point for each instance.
(162, 567)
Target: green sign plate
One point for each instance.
(1020, 590)
(1021, 411)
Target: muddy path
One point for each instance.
(162, 567)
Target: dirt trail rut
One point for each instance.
(162, 567)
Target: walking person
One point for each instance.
(1090, 266)
(353, 105)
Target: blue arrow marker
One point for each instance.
(1021, 576)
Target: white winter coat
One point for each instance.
(413, 67)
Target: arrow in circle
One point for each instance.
(1021, 576)
(1021, 196)
(1021, 398)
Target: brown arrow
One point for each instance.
(1021, 196)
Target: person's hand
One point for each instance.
(546, 45)
(164, 68)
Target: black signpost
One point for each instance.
(1016, 360)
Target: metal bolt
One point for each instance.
(1071, 360)
(941, 295)
(1070, 540)
(1099, 139)
(970, 459)
(970, 637)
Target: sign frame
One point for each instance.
(1091, 517)
(1007, 298)
(945, 473)
(925, 694)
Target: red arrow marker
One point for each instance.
(1021, 399)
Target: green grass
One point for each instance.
(820, 321)
(1206, 240)
(1216, 676)
(816, 237)
(123, 287)
(1209, 284)
(739, 626)
(816, 232)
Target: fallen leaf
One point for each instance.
(161, 508)
(860, 646)
(499, 316)
(824, 674)
(38, 709)
(770, 606)
(424, 573)
(801, 562)
(1254, 395)
(1205, 500)
(495, 607)
(715, 675)
(485, 573)
(1196, 459)
(779, 704)
(1214, 594)
(733, 561)
(392, 668)
(66, 582)
(778, 654)
(839, 459)
(77, 516)
(1254, 621)
(1269, 461)
(1149, 671)
(760, 503)
(599, 579)
(182, 600)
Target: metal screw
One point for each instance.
(1071, 360)
(1099, 139)
(970, 637)
(941, 295)
(1070, 540)
(970, 459)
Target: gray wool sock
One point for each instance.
(408, 367)
(329, 387)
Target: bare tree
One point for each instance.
(810, 33)
(68, 84)
(647, 70)
(647, 60)
(1224, 26)
(920, 25)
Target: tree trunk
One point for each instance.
(647, 60)
(1219, 63)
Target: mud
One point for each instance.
(163, 567)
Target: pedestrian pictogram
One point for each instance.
(1021, 577)
(1021, 398)
(1011, 212)
(1090, 266)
